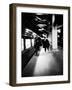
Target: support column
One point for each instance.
(54, 34)
(54, 38)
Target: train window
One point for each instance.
(28, 43)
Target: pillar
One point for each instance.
(54, 34)
(54, 38)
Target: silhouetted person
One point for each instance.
(37, 45)
(46, 44)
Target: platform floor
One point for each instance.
(45, 63)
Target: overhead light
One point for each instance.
(41, 25)
(34, 34)
(27, 30)
(53, 18)
(38, 18)
(41, 29)
(44, 20)
(39, 13)
(44, 35)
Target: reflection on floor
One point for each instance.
(45, 63)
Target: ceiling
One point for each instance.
(40, 23)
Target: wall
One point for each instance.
(4, 45)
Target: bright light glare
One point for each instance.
(44, 63)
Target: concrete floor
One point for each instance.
(45, 64)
